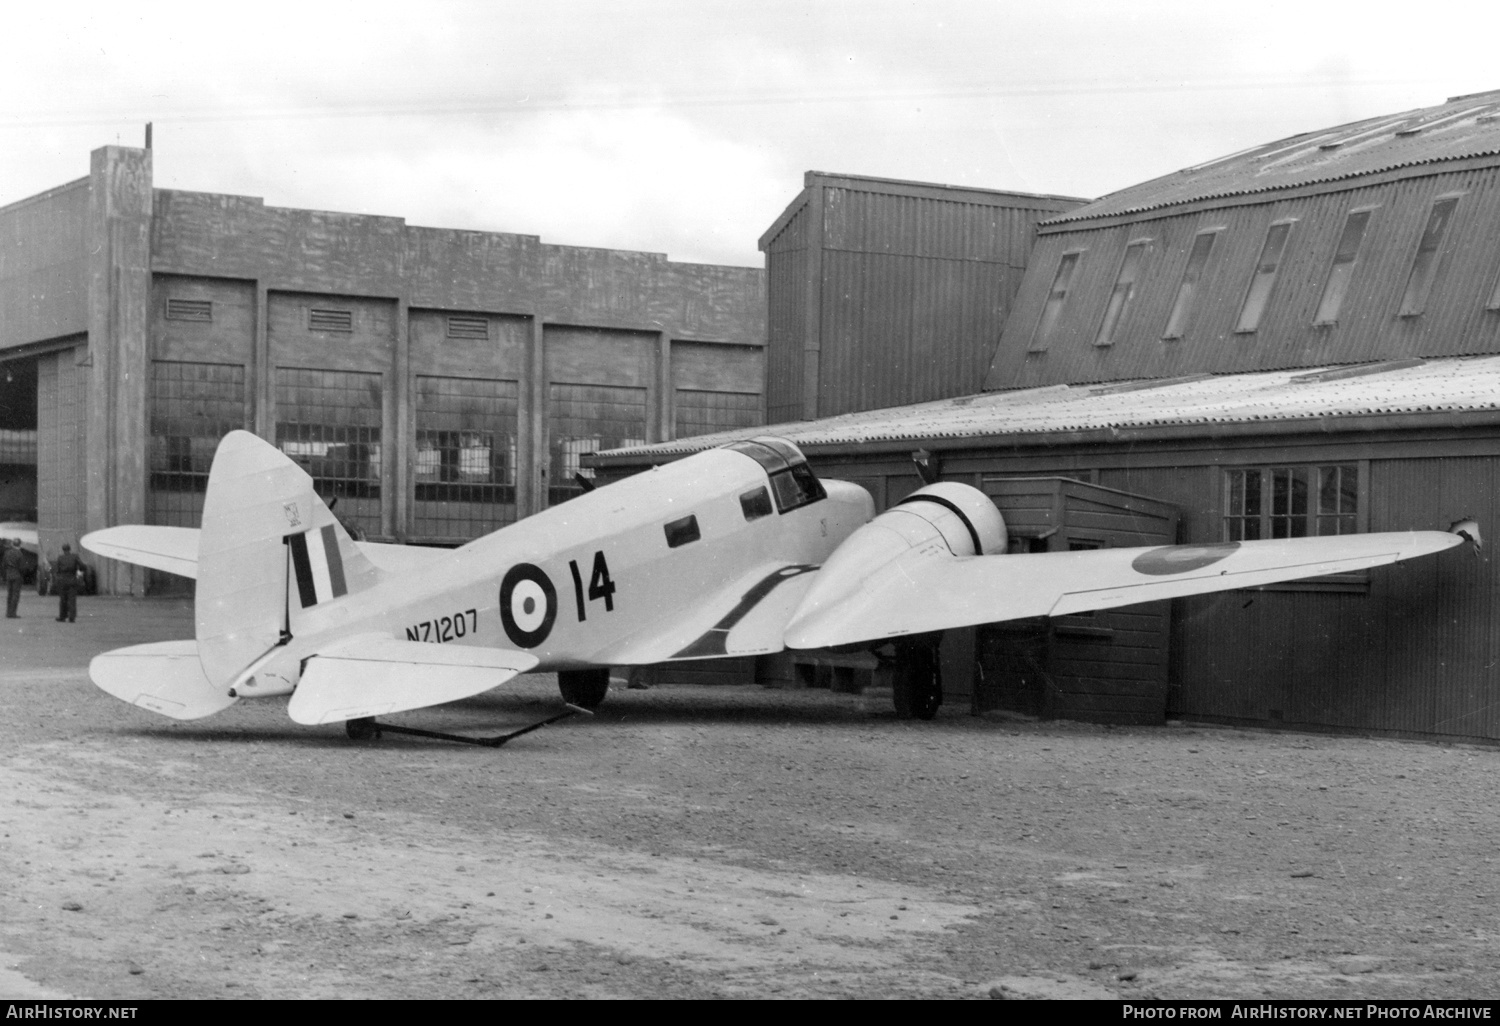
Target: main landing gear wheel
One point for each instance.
(584, 688)
(917, 681)
(361, 729)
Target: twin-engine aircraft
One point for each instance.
(737, 551)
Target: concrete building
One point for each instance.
(1298, 339)
(437, 383)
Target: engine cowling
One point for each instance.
(942, 520)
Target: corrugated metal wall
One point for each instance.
(882, 293)
(786, 306)
(1455, 321)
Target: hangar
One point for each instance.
(1296, 339)
(438, 383)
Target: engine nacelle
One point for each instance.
(942, 520)
(965, 517)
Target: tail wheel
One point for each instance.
(917, 683)
(584, 688)
(362, 729)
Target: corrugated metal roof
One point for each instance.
(1398, 387)
(1465, 126)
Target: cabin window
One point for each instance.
(1187, 292)
(1342, 269)
(795, 487)
(1291, 502)
(1052, 312)
(1424, 263)
(1124, 291)
(1264, 280)
(680, 532)
(756, 504)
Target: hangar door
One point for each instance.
(1108, 666)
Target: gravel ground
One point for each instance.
(706, 842)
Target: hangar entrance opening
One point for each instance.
(18, 462)
(1108, 666)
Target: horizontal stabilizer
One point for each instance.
(374, 675)
(164, 676)
(919, 592)
(173, 549)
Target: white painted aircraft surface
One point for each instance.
(736, 551)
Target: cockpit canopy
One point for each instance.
(792, 480)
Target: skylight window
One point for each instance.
(1187, 292)
(1124, 291)
(1342, 270)
(1052, 312)
(1424, 264)
(1264, 280)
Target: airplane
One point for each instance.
(740, 550)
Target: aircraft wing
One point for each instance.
(175, 549)
(919, 591)
(746, 617)
(375, 674)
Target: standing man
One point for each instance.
(66, 578)
(12, 565)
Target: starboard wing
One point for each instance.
(920, 592)
(373, 675)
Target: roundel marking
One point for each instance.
(1179, 559)
(528, 605)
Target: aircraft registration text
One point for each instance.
(445, 628)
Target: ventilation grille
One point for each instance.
(468, 327)
(190, 310)
(330, 320)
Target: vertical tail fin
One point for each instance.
(269, 551)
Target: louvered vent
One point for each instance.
(190, 310)
(330, 320)
(468, 327)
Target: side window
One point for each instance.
(1265, 277)
(1052, 312)
(756, 504)
(1424, 263)
(1291, 502)
(1187, 291)
(1342, 269)
(1124, 291)
(680, 532)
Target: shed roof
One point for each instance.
(1329, 398)
(1464, 127)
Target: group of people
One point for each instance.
(67, 578)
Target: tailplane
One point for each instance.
(270, 552)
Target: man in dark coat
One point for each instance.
(67, 576)
(13, 564)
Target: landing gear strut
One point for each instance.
(917, 681)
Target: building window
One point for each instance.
(1424, 264)
(201, 310)
(1342, 270)
(699, 411)
(589, 418)
(192, 406)
(464, 475)
(1052, 312)
(1187, 292)
(469, 327)
(341, 321)
(1291, 502)
(329, 422)
(1264, 280)
(1124, 291)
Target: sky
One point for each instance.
(684, 127)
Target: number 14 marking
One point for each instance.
(600, 586)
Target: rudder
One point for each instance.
(269, 550)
